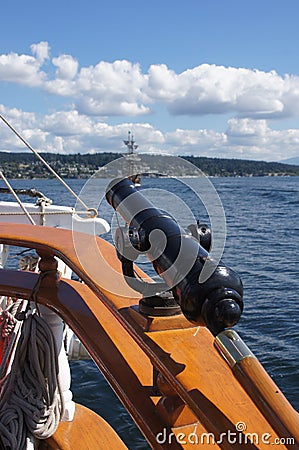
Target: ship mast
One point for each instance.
(130, 143)
(132, 158)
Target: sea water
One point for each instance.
(262, 228)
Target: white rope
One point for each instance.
(17, 198)
(44, 162)
(31, 404)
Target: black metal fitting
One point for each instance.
(179, 259)
(201, 232)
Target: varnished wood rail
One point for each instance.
(100, 313)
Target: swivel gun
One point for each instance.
(177, 257)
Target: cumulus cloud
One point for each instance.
(90, 96)
(105, 89)
(104, 106)
(66, 70)
(21, 69)
(112, 89)
(71, 132)
(203, 142)
(255, 139)
(121, 88)
(211, 89)
(41, 51)
(67, 123)
(67, 67)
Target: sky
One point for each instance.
(215, 79)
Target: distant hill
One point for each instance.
(25, 165)
(241, 167)
(293, 161)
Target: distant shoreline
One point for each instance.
(76, 166)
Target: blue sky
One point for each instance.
(217, 78)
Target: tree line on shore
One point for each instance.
(25, 165)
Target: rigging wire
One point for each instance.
(17, 198)
(92, 210)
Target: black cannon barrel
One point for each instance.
(179, 259)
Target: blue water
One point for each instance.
(261, 245)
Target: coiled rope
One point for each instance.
(31, 402)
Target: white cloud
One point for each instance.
(61, 87)
(25, 69)
(196, 142)
(210, 89)
(41, 50)
(105, 106)
(67, 67)
(71, 132)
(255, 139)
(66, 71)
(111, 89)
(105, 89)
(246, 129)
(67, 123)
(21, 69)
(121, 88)
(163, 83)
